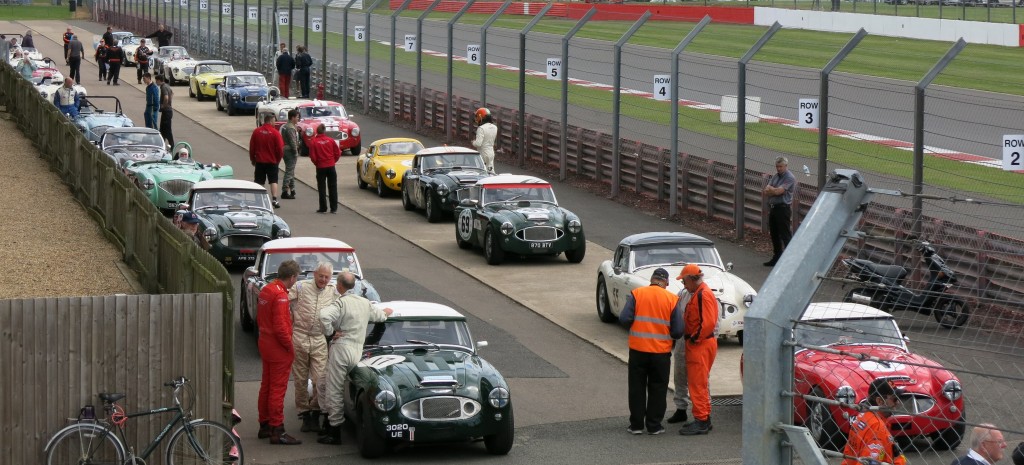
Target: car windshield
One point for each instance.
(322, 112)
(113, 139)
(399, 148)
(517, 192)
(848, 332)
(233, 199)
(433, 331)
(175, 53)
(131, 40)
(666, 254)
(217, 68)
(247, 81)
(450, 160)
(309, 259)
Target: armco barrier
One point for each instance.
(165, 259)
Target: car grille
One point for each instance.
(253, 98)
(441, 408)
(337, 135)
(176, 187)
(244, 241)
(914, 404)
(539, 233)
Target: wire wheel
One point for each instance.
(85, 443)
(209, 442)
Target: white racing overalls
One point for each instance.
(349, 315)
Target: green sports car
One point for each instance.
(236, 217)
(422, 381)
(513, 214)
(167, 179)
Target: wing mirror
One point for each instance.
(250, 272)
(481, 344)
(728, 266)
(617, 270)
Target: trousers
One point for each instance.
(115, 73)
(165, 125)
(648, 388)
(150, 117)
(277, 365)
(339, 364)
(304, 82)
(290, 158)
(284, 82)
(140, 69)
(699, 358)
(327, 181)
(779, 219)
(310, 363)
(75, 63)
(681, 396)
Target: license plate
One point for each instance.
(246, 258)
(540, 245)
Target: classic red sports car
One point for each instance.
(333, 115)
(859, 344)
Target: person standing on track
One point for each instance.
(66, 38)
(115, 57)
(266, 149)
(302, 64)
(162, 35)
(152, 101)
(292, 141)
(274, 320)
(101, 59)
(988, 446)
(701, 325)
(166, 111)
(142, 55)
(486, 135)
(108, 37)
(285, 65)
(308, 297)
(325, 153)
(75, 53)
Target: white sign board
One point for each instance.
(473, 54)
(807, 113)
(253, 13)
(282, 18)
(410, 42)
(1013, 153)
(318, 24)
(662, 86)
(360, 34)
(203, 5)
(167, 1)
(225, 8)
(554, 69)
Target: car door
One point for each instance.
(367, 165)
(617, 282)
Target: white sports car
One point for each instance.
(131, 44)
(47, 86)
(174, 63)
(637, 257)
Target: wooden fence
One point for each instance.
(57, 354)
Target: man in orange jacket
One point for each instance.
(700, 328)
(274, 319)
(870, 440)
(654, 323)
(325, 153)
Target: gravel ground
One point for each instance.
(51, 248)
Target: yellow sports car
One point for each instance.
(208, 74)
(384, 163)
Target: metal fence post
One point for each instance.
(823, 103)
(563, 141)
(344, 52)
(323, 48)
(918, 183)
(391, 76)
(741, 126)
(366, 75)
(208, 45)
(305, 26)
(291, 22)
(674, 97)
(419, 64)
(617, 99)
(483, 50)
(259, 35)
(233, 34)
(523, 144)
(449, 112)
(220, 30)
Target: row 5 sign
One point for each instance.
(554, 69)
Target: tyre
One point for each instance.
(433, 208)
(84, 443)
(501, 442)
(822, 425)
(576, 256)
(359, 180)
(219, 106)
(492, 251)
(191, 92)
(739, 335)
(406, 201)
(243, 312)
(382, 190)
(950, 438)
(208, 442)
(356, 150)
(604, 307)
(464, 245)
(370, 444)
(951, 313)
(231, 110)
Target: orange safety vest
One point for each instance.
(651, 322)
(870, 438)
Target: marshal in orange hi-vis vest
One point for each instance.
(650, 329)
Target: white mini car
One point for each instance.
(637, 257)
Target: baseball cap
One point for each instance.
(189, 217)
(689, 270)
(660, 273)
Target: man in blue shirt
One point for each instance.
(779, 195)
(67, 99)
(152, 100)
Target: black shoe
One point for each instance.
(771, 262)
(293, 193)
(108, 83)
(285, 196)
(117, 83)
(321, 211)
(678, 417)
(275, 203)
(310, 422)
(656, 431)
(634, 431)
(332, 436)
(265, 431)
(333, 212)
(696, 427)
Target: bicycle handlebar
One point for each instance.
(177, 382)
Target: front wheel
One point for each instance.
(191, 93)
(576, 255)
(370, 444)
(433, 208)
(243, 312)
(604, 308)
(84, 443)
(406, 201)
(356, 150)
(950, 438)
(382, 189)
(951, 313)
(204, 441)
(359, 180)
(492, 251)
(501, 442)
(219, 106)
(822, 425)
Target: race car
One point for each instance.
(422, 380)
(236, 217)
(97, 114)
(278, 107)
(638, 255)
(168, 180)
(439, 178)
(242, 90)
(131, 43)
(46, 68)
(313, 113)
(47, 86)
(133, 144)
(17, 53)
(385, 162)
(206, 76)
(119, 36)
(174, 63)
(515, 214)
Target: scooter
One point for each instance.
(887, 292)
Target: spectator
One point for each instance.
(152, 101)
(162, 35)
(101, 59)
(325, 153)
(26, 67)
(115, 57)
(108, 37)
(190, 224)
(870, 439)
(67, 98)
(779, 195)
(302, 63)
(292, 142)
(274, 320)
(285, 66)
(142, 54)
(987, 446)
(27, 41)
(266, 149)
(76, 51)
(166, 111)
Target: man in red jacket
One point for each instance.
(274, 319)
(325, 153)
(266, 149)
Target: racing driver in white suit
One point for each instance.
(307, 298)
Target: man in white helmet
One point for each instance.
(344, 322)
(307, 298)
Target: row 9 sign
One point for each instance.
(318, 24)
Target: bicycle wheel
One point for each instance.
(84, 444)
(205, 442)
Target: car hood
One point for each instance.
(209, 77)
(168, 171)
(537, 213)
(421, 373)
(905, 370)
(248, 90)
(463, 177)
(332, 123)
(399, 163)
(719, 280)
(245, 221)
(104, 119)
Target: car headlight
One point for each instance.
(309, 132)
(442, 190)
(284, 232)
(210, 234)
(952, 389)
(748, 299)
(729, 309)
(846, 395)
(175, 70)
(43, 94)
(385, 400)
(355, 132)
(575, 226)
(507, 228)
(202, 83)
(148, 184)
(234, 97)
(390, 173)
(498, 397)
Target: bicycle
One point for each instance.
(94, 441)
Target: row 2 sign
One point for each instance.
(1013, 148)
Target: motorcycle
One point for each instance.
(888, 293)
